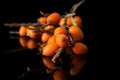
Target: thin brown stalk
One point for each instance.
(20, 24)
(57, 55)
(75, 6)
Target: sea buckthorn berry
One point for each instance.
(22, 31)
(53, 18)
(45, 37)
(78, 20)
(59, 30)
(33, 34)
(52, 39)
(79, 48)
(50, 49)
(42, 20)
(62, 40)
(76, 33)
(49, 27)
(68, 22)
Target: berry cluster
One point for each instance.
(56, 31)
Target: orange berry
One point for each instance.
(61, 22)
(68, 22)
(23, 41)
(48, 63)
(53, 18)
(76, 33)
(62, 40)
(33, 34)
(31, 44)
(49, 27)
(52, 39)
(45, 37)
(50, 49)
(59, 30)
(78, 20)
(42, 20)
(22, 31)
(79, 48)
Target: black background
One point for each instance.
(21, 11)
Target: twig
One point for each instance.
(56, 57)
(19, 24)
(42, 45)
(69, 15)
(66, 27)
(38, 27)
(44, 14)
(51, 31)
(75, 6)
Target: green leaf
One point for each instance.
(73, 22)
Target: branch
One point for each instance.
(56, 57)
(44, 14)
(75, 6)
(66, 27)
(19, 24)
